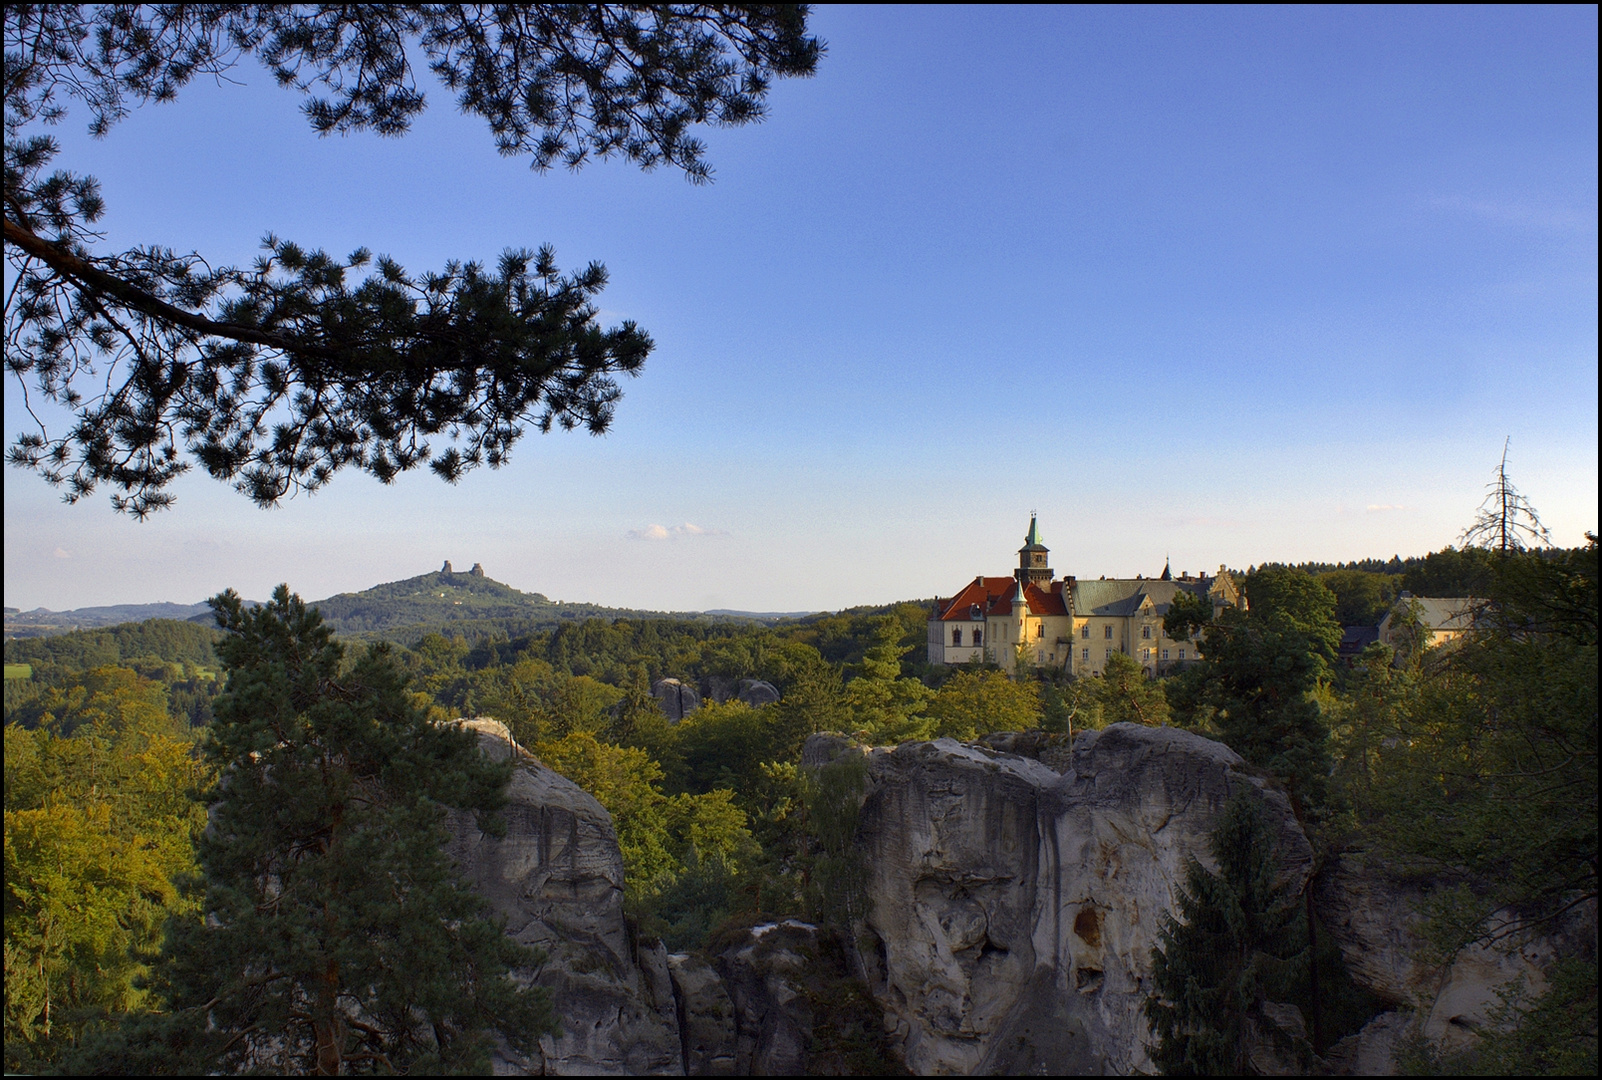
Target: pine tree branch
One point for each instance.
(96, 281)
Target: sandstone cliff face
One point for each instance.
(1371, 913)
(1014, 908)
(557, 879)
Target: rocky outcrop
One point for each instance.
(706, 1018)
(763, 971)
(756, 692)
(1372, 912)
(676, 699)
(557, 879)
(1013, 906)
(778, 998)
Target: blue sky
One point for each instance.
(1229, 285)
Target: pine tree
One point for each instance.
(336, 936)
(885, 706)
(1240, 943)
(277, 376)
(1262, 666)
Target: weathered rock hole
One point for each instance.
(1087, 928)
(1088, 980)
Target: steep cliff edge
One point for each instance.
(1014, 908)
(557, 879)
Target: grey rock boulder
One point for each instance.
(557, 879)
(755, 692)
(676, 699)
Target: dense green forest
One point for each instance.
(1474, 765)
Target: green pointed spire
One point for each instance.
(1033, 537)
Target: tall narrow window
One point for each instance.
(978, 636)
(1084, 631)
(1182, 654)
(1086, 655)
(1040, 630)
(1106, 632)
(956, 636)
(1145, 632)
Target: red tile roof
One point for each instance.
(994, 595)
(982, 591)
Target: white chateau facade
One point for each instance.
(1068, 624)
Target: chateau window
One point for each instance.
(1040, 630)
(1145, 654)
(956, 637)
(1165, 654)
(1109, 654)
(979, 639)
(1084, 631)
(1145, 632)
(1086, 655)
(1106, 632)
(1182, 654)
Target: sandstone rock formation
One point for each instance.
(557, 879)
(758, 692)
(676, 699)
(1371, 911)
(1014, 907)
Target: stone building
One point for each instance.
(1445, 618)
(1066, 623)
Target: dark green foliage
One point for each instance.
(835, 890)
(162, 639)
(277, 376)
(327, 893)
(1240, 942)
(1361, 598)
(848, 1036)
(1550, 1034)
(1261, 669)
(1492, 781)
(1451, 572)
(1186, 614)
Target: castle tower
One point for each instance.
(1032, 566)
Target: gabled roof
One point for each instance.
(1444, 613)
(1122, 597)
(994, 596)
(983, 591)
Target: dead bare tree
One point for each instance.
(1506, 520)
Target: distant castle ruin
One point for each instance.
(477, 571)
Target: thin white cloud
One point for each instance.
(1381, 508)
(663, 532)
(62, 553)
(1519, 214)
